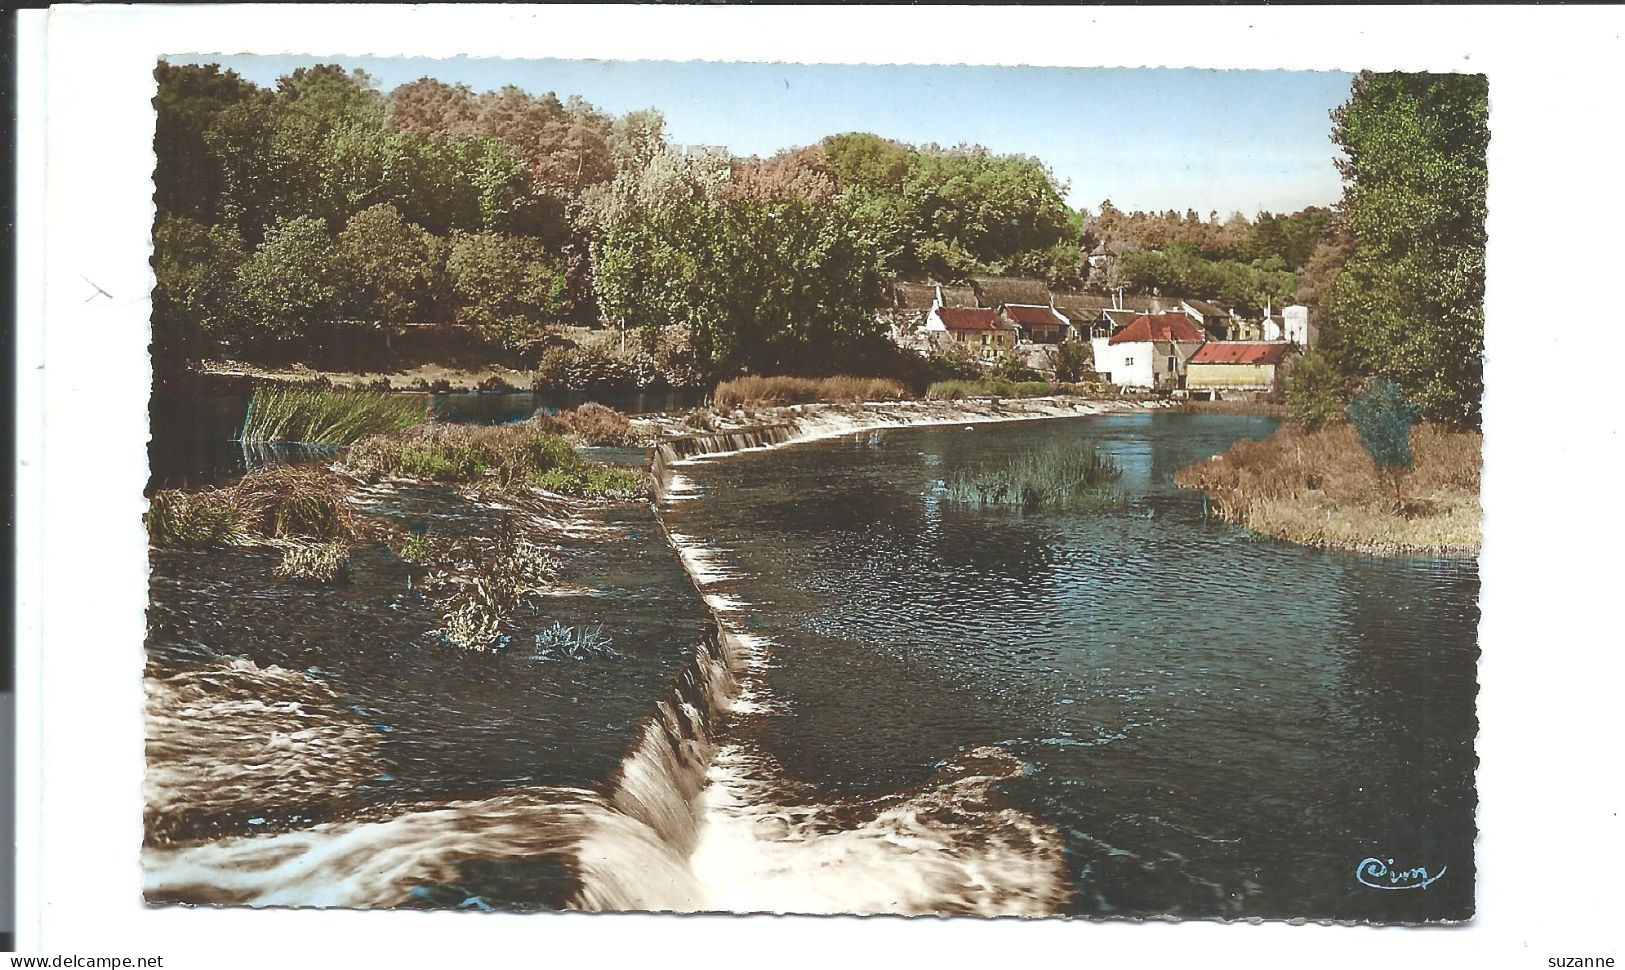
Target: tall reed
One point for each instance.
(311, 416)
(1054, 477)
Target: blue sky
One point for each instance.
(1147, 138)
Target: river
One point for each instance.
(1203, 724)
(910, 707)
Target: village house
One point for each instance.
(1291, 324)
(1236, 365)
(981, 331)
(1151, 352)
(1034, 323)
(1215, 321)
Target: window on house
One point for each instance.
(1173, 363)
(1128, 361)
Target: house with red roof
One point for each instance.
(1035, 323)
(1237, 365)
(981, 331)
(1151, 352)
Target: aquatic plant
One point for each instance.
(1059, 477)
(293, 502)
(314, 416)
(758, 391)
(574, 643)
(183, 519)
(503, 577)
(284, 503)
(323, 563)
(415, 548)
(471, 626)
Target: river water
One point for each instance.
(1172, 717)
(910, 707)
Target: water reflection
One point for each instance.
(1218, 725)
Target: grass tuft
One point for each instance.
(325, 563)
(1059, 477)
(574, 643)
(312, 416)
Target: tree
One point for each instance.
(781, 288)
(292, 283)
(188, 180)
(395, 270)
(865, 161)
(1383, 418)
(195, 268)
(1409, 302)
(507, 287)
(431, 107)
(1074, 361)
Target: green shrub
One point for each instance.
(416, 549)
(590, 480)
(1316, 391)
(1384, 417)
(988, 387)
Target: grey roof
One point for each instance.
(915, 295)
(1207, 309)
(998, 290)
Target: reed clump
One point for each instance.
(595, 424)
(758, 391)
(283, 504)
(526, 453)
(1321, 488)
(1067, 476)
(316, 416)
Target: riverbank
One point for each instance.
(1321, 489)
(422, 377)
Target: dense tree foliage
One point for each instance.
(1409, 301)
(783, 288)
(323, 198)
(1179, 270)
(284, 211)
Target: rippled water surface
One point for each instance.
(1216, 725)
(273, 706)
